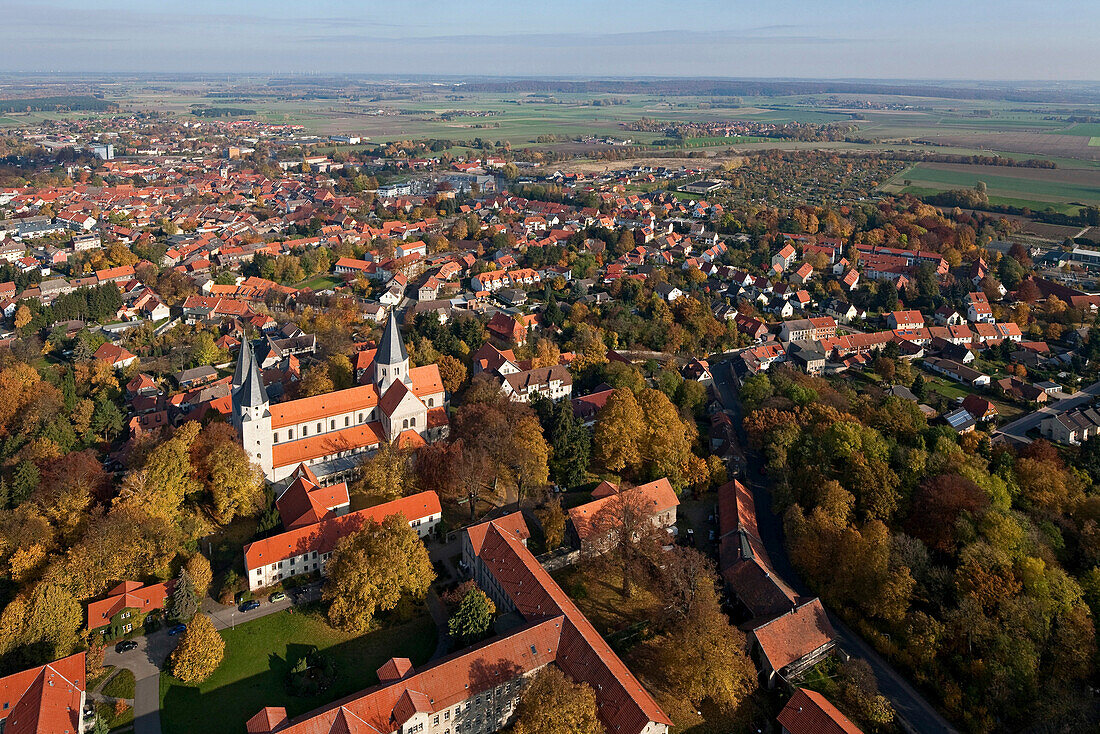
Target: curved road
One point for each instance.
(915, 714)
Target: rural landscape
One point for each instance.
(549, 368)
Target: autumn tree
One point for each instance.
(387, 474)
(199, 571)
(165, 479)
(315, 381)
(473, 618)
(233, 483)
(199, 652)
(553, 704)
(937, 505)
(619, 431)
(452, 372)
(705, 659)
(372, 570)
(626, 536)
(552, 518)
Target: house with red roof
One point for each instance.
(591, 532)
(307, 546)
(808, 712)
(114, 355)
(48, 699)
(126, 606)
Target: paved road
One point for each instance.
(1017, 429)
(227, 617)
(145, 662)
(914, 712)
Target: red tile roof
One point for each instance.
(306, 503)
(658, 496)
(291, 453)
(794, 635)
(808, 712)
(46, 699)
(323, 536)
(623, 704)
(446, 682)
(128, 595)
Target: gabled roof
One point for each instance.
(792, 636)
(323, 536)
(808, 712)
(658, 497)
(44, 700)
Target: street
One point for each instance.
(913, 711)
(1017, 429)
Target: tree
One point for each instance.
(315, 381)
(625, 535)
(341, 372)
(937, 505)
(184, 602)
(452, 372)
(473, 618)
(373, 569)
(552, 518)
(198, 569)
(553, 704)
(234, 484)
(22, 316)
(704, 659)
(386, 474)
(686, 583)
(199, 653)
(619, 430)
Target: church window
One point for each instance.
(305, 431)
(332, 424)
(430, 400)
(412, 421)
(347, 420)
(405, 424)
(320, 427)
(290, 434)
(276, 437)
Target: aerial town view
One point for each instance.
(549, 368)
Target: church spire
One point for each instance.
(391, 349)
(250, 392)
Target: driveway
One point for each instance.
(145, 662)
(914, 713)
(228, 617)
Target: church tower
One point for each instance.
(251, 414)
(391, 361)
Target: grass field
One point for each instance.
(258, 656)
(1032, 187)
(1084, 129)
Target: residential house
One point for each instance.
(554, 383)
(118, 357)
(47, 699)
(125, 608)
(808, 712)
(905, 320)
(594, 524)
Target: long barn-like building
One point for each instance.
(475, 691)
(324, 431)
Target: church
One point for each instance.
(329, 432)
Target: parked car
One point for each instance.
(248, 606)
(125, 646)
(277, 596)
(172, 631)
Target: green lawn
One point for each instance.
(121, 686)
(258, 656)
(319, 282)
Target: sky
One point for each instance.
(865, 39)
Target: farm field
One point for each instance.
(1032, 187)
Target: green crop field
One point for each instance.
(1083, 129)
(1031, 187)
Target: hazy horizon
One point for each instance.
(1012, 41)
